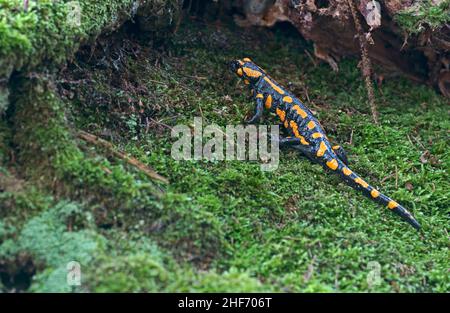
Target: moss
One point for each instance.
(49, 243)
(4, 98)
(44, 30)
(51, 158)
(191, 227)
(54, 30)
(113, 262)
(298, 228)
(160, 17)
(48, 150)
(414, 18)
(41, 129)
(143, 267)
(5, 138)
(133, 273)
(227, 226)
(49, 32)
(19, 203)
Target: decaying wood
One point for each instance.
(329, 25)
(122, 155)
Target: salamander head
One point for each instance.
(246, 70)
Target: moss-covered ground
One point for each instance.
(224, 226)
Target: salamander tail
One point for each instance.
(355, 181)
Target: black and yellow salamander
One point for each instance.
(306, 133)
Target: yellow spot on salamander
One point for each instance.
(287, 99)
(259, 96)
(392, 204)
(275, 87)
(286, 124)
(333, 164)
(246, 81)
(294, 127)
(347, 171)
(281, 114)
(300, 112)
(322, 149)
(317, 135)
(374, 193)
(336, 147)
(268, 103)
(303, 141)
(311, 125)
(251, 73)
(246, 60)
(239, 72)
(358, 180)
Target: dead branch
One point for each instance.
(366, 64)
(122, 155)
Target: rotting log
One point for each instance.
(406, 36)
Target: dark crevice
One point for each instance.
(322, 4)
(287, 30)
(16, 274)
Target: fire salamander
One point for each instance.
(306, 133)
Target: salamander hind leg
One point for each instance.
(295, 143)
(286, 141)
(340, 152)
(307, 152)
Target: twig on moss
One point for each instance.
(122, 155)
(313, 61)
(366, 64)
(386, 178)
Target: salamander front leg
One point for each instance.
(259, 110)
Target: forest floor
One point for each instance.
(227, 225)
